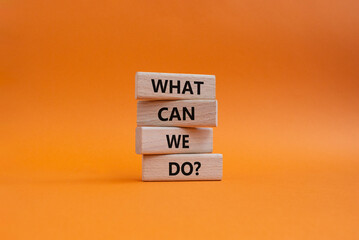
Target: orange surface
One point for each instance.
(288, 92)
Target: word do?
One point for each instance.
(183, 169)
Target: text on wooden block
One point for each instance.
(163, 140)
(167, 86)
(181, 113)
(182, 167)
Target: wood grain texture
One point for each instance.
(157, 167)
(190, 86)
(175, 113)
(164, 140)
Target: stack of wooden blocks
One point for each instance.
(173, 127)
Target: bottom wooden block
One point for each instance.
(182, 167)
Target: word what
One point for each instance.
(168, 85)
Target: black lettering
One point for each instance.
(171, 173)
(175, 114)
(160, 112)
(173, 140)
(159, 85)
(175, 86)
(184, 141)
(190, 168)
(198, 166)
(191, 116)
(198, 86)
(187, 87)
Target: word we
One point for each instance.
(177, 141)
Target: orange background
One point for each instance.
(288, 92)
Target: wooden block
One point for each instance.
(181, 113)
(166, 86)
(182, 167)
(162, 140)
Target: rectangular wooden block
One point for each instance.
(180, 113)
(164, 140)
(167, 86)
(182, 167)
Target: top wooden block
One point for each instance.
(170, 86)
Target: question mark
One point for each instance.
(198, 166)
